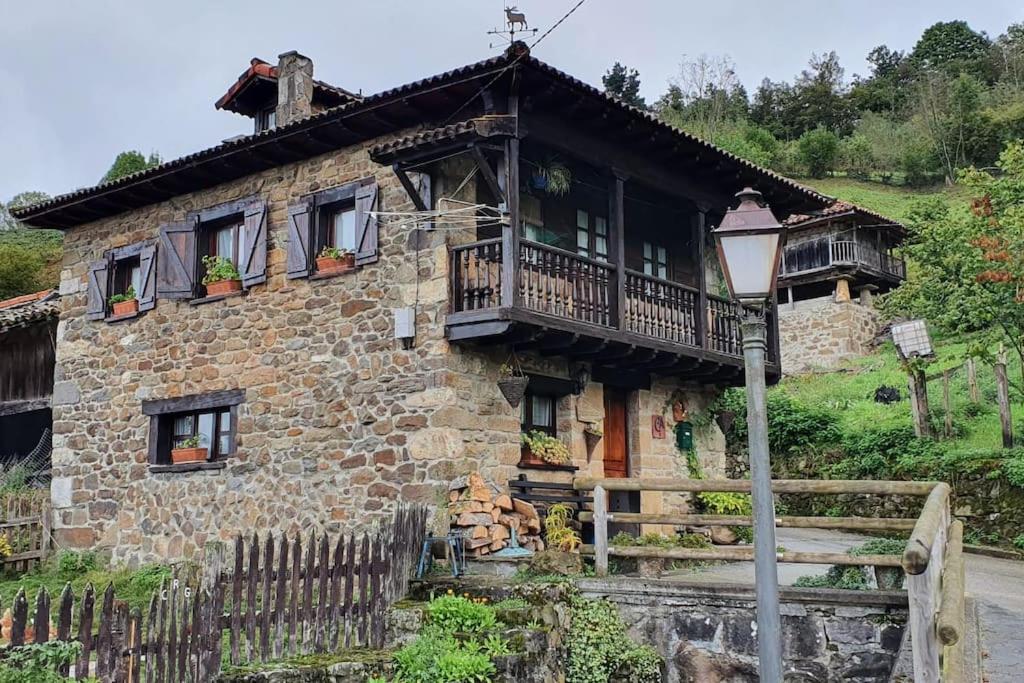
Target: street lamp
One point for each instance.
(750, 241)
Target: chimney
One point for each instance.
(294, 87)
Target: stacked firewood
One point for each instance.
(487, 517)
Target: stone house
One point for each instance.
(501, 212)
(829, 254)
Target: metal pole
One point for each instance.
(769, 640)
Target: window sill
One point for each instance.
(187, 467)
(216, 297)
(120, 318)
(332, 275)
(546, 467)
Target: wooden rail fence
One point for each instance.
(932, 557)
(278, 598)
(25, 526)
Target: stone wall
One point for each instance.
(339, 419)
(819, 334)
(708, 633)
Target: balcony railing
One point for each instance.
(559, 283)
(819, 254)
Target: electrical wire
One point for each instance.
(515, 61)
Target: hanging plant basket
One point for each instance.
(513, 388)
(592, 438)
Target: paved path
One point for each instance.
(996, 585)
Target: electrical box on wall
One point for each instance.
(405, 323)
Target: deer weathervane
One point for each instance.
(515, 22)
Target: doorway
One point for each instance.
(616, 457)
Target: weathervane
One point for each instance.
(513, 18)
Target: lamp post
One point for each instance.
(749, 242)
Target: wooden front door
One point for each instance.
(616, 458)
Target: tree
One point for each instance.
(20, 271)
(819, 97)
(885, 90)
(953, 47)
(771, 104)
(856, 156)
(18, 201)
(703, 96)
(1009, 48)
(130, 162)
(818, 149)
(970, 263)
(950, 110)
(624, 83)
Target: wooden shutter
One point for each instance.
(147, 277)
(253, 266)
(176, 267)
(96, 291)
(366, 224)
(299, 258)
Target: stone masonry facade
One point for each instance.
(819, 334)
(339, 420)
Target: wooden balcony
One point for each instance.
(813, 257)
(565, 304)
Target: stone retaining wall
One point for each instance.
(820, 334)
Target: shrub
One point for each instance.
(845, 578)
(725, 503)
(437, 657)
(1018, 542)
(818, 150)
(71, 562)
(880, 546)
(37, 663)
(600, 650)
(456, 614)
(793, 427)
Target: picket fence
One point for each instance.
(278, 598)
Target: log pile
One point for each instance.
(487, 517)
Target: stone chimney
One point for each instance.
(294, 87)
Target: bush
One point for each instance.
(37, 663)
(844, 578)
(818, 149)
(856, 157)
(600, 650)
(21, 271)
(437, 657)
(793, 427)
(456, 614)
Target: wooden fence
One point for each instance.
(932, 557)
(279, 598)
(25, 528)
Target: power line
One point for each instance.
(515, 61)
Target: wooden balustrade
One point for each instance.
(844, 251)
(724, 326)
(818, 254)
(559, 282)
(662, 309)
(476, 275)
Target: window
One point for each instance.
(266, 119)
(127, 276)
(341, 228)
(342, 217)
(591, 235)
(655, 260)
(539, 413)
(226, 238)
(210, 418)
(122, 269)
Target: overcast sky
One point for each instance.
(82, 81)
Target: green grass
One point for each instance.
(850, 390)
(48, 244)
(889, 200)
(134, 586)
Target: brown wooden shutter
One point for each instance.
(96, 290)
(176, 267)
(147, 277)
(366, 224)
(254, 260)
(299, 258)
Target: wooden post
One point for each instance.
(918, 384)
(600, 531)
(923, 591)
(616, 214)
(1003, 397)
(972, 380)
(946, 408)
(701, 317)
(510, 233)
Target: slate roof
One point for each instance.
(835, 210)
(29, 309)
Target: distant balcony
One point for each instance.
(815, 256)
(590, 312)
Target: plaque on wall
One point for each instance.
(658, 426)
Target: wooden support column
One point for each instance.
(600, 531)
(701, 317)
(617, 224)
(510, 275)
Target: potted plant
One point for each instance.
(512, 384)
(221, 276)
(543, 449)
(125, 304)
(552, 177)
(592, 434)
(189, 450)
(333, 260)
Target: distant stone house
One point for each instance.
(835, 261)
(324, 398)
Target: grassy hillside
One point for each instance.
(889, 200)
(46, 244)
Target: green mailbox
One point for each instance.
(684, 436)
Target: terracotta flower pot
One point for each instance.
(126, 307)
(513, 389)
(183, 455)
(327, 265)
(223, 287)
(527, 458)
